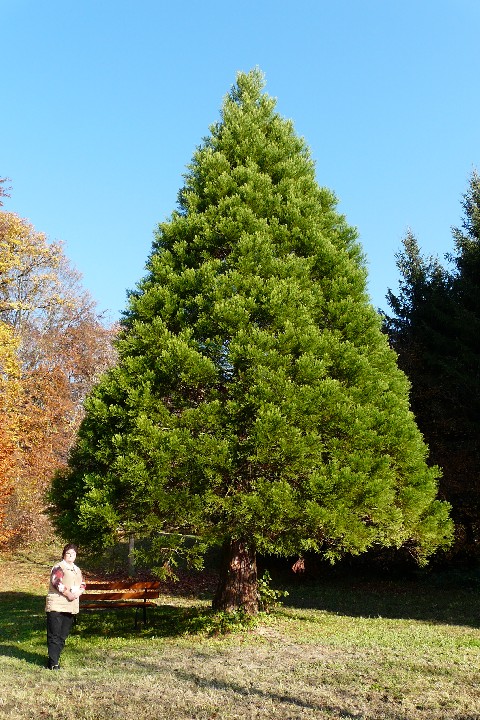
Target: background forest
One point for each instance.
(435, 328)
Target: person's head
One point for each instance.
(69, 552)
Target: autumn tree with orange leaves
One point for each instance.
(51, 330)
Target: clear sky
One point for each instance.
(104, 102)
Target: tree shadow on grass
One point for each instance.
(22, 624)
(296, 704)
(277, 698)
(162, 621)
(22, 620)
(34, 658)
(449, 598)
(21, 615)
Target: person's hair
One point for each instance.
(68, 547)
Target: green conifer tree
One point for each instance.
(435, 329)
(256, 403)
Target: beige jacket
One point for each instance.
(64, 577)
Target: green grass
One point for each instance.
(337, 649)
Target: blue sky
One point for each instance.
(104, 102)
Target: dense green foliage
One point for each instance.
(255, 397)
(435, 329)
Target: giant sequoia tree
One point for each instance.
(435, 328)
(256, 403)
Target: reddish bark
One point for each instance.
(237, 588)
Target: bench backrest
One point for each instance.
(113, 590)
(107, 585)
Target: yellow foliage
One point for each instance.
(32, 271)
(10, 395)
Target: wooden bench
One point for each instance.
(105, 595)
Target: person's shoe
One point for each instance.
(51, 665)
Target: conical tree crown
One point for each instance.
(255, 396)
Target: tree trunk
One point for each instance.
(237, 587)
(131, 555)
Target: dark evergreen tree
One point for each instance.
(256, 403)
(436, 331)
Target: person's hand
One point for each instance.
(70, 595)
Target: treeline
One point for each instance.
(53, 347)
(434, 326)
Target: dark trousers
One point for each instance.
(59, 625)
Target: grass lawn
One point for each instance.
(334, 649)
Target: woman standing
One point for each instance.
(66, 586)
